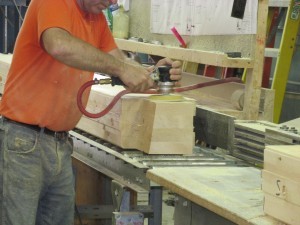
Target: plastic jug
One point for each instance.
(121, 24)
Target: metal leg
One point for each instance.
(156, 204)
(107, 199)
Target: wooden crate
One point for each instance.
(136, 122)
(281, 182)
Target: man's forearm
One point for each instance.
(79, 54)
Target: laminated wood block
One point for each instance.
(135, 122)
(283, 160)
(282, 210)
(281, 187)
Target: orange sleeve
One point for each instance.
(54, 13)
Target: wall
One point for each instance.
(140, 27)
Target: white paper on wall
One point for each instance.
(201, 17)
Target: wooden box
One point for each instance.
(281, 182)
(136, 122)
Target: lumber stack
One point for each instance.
(136, 122)
(281, 182)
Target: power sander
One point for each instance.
(161, 75)
(164, 85)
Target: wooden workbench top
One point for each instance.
(231, 192)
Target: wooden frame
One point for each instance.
(254, 66)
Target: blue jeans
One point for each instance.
(36, 177)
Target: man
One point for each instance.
(60, 45)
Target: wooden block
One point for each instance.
(283, 160)
(282, 210)
(281, 187)
(154, 127)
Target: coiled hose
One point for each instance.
(151, 91)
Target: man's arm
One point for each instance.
(81, 55)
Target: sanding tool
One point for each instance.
(164, 85)
(161, 75)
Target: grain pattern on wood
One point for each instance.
(283, 160)
(191, 55)
(282, 210)
(281, 182)
(281, 187)
(232, 192)
(221, 98)
(254, 76)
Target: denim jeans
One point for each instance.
(36, 177)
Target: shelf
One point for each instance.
(220, 59)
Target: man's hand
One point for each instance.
(136, 78)
(176, 70)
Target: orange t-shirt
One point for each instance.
(40, 90)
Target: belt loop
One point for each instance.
(2, 119)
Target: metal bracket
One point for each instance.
(121, 204)
(120, 197)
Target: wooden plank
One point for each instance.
(281, 187)
(282, 210)
(232, 192)
(225, 98)
(254, 76)
(191, 55)
(283, 160)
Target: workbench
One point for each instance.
(227, 195)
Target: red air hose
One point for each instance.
(151, 91)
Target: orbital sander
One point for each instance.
(164, 85)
